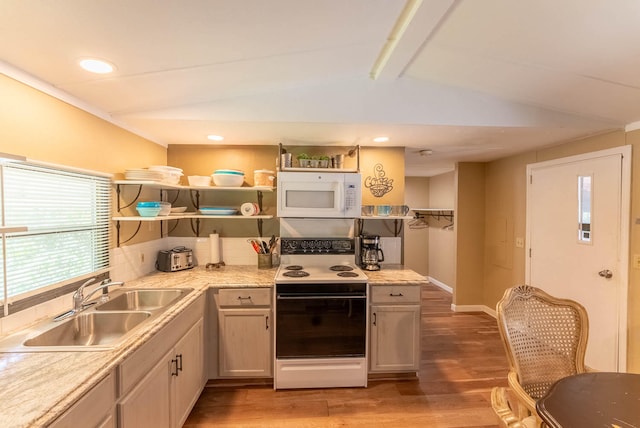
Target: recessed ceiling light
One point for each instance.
(215, 137)
(381, 139)
(96, 66)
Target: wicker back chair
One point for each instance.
(545, 339)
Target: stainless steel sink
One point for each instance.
(90, 329)
(143, 300)
(103, 326)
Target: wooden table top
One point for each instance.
(600, 399)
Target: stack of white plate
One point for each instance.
(143, 175)
(170, 174)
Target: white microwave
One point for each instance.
(322, 194)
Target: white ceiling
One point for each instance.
(471, 80)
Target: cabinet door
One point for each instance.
(395, 338)
(148, 405)
(245, 342)
(190, 380)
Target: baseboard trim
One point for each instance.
(474, 308)
(462, 308)
(439, 284)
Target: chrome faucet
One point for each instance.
(80, 300)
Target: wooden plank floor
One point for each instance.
(462, 358)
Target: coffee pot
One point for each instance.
(371, 254)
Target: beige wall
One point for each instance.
(470, 233)
(416, 240)
(46, 129)
(505, 220)
(442, 192)
(442, 242)
(391, 161)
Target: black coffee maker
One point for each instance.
(370, 254)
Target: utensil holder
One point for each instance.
(264, 261)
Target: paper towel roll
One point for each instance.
(214, 248)
(249, 209)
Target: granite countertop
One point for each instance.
(37, 387)
(395, 275)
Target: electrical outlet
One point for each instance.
(519, 242)
(636, 261)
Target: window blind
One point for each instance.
(67, 214)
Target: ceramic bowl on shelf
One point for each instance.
(227, 179)
(165, 208)
(199, 180)
(229, 171)
(178, 210)
(148, 209)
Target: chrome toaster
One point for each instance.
(175, 259)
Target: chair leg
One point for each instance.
(502, 407)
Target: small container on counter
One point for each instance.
(265, 261)
(263, 177)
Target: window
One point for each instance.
(584, 208)
(67, 215)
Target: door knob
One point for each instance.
(605, 273)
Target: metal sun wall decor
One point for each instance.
(378, 185)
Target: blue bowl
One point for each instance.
(148, 205)
(228, 172)
(148, 211)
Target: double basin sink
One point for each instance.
(104, 326)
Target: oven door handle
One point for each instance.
(319, 297)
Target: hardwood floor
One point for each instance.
(462, 358)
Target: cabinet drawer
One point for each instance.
(395, 294)
(245, 297)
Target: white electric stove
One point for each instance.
(321, 315)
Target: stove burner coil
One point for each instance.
(341, 268)
(348, 274)
(293, 267)
(296, 273)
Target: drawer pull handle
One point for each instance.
(179, 363)
(396, 295)
(375, 318)
(244, 298)
(266, 322)
(174, 361)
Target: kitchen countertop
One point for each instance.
(37, 387)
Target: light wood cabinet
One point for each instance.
(160, 392)
(394, 341)
(245, 333)
(148, 405)
(189, 352)
(95, 408)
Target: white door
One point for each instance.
(577, 228)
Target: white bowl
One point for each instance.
(228, 180)
(199, 180)
(178, 209)
(165, 208)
